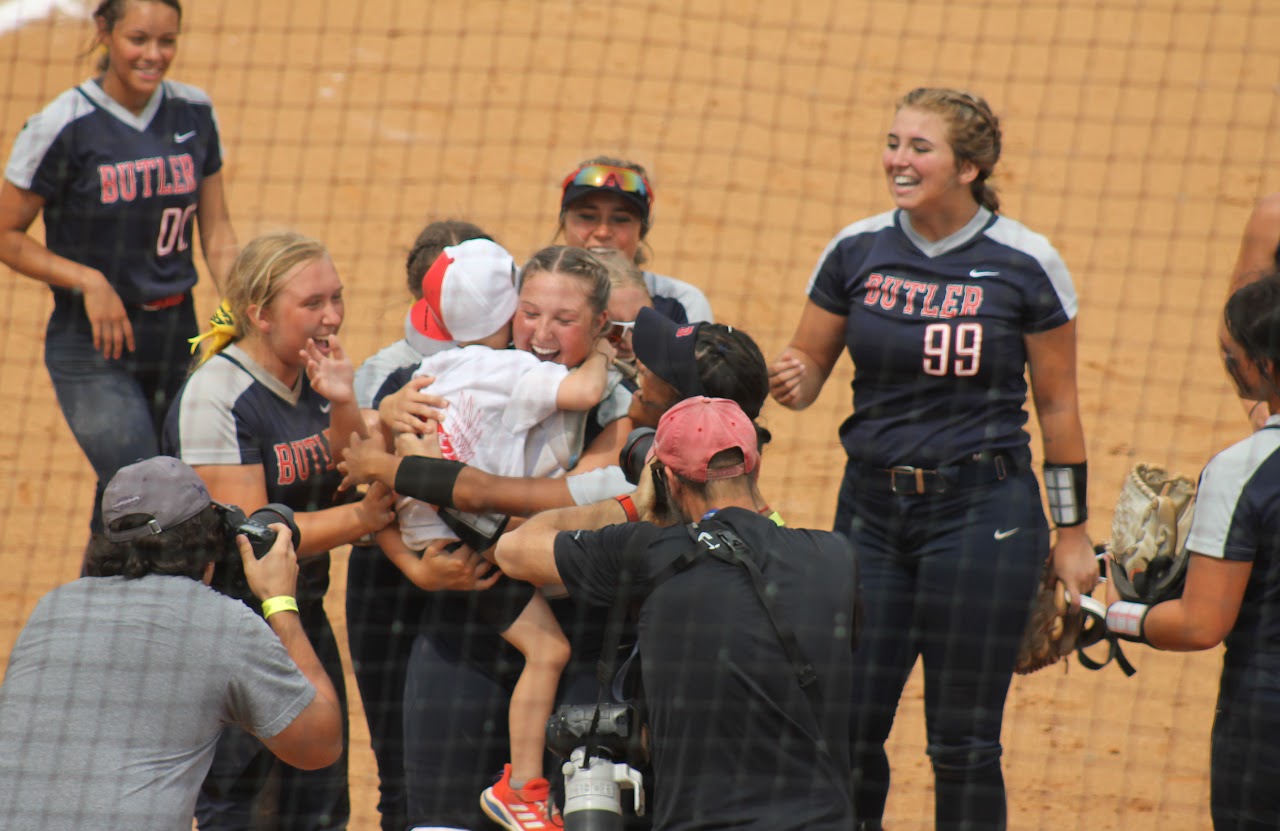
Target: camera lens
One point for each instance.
(634, 453)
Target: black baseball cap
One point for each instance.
(667, 349)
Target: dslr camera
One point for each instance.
(228, 574)
(632, 461)
(598, 763)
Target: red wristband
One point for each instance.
(630, 507)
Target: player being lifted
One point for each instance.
(510, 413)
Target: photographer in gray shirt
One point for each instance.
(120, 682)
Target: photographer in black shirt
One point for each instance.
(745, 629)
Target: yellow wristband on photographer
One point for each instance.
(280, 603)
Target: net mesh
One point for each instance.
(1138, 133)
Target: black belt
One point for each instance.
(982, 469)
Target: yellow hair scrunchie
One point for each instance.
(221, 331)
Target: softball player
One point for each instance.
(1232, 589)
(384, 608)
(942, 305)
(250, 424)
(119, 165)
(607, 204)
(1259, 255)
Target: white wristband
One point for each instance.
(1125, 619)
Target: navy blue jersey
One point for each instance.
(1237, 517)
(231, 411)
(120, 189)
(935, 330)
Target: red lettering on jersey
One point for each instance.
(184, 173)
(889, 298)
(107, 179)
(189, 171)
(315, 446)
(912, 288)
(950, 305)
(127, 181)
(163, 186)
(144, 167)
(972, 301)
(287, 474)
(300, 458)
(873, 289)
(927, 309)
(322, 442)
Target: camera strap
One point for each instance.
(724, 545)
(632, 563)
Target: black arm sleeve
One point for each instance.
(428, 480)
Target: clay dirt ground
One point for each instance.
(1137, 134)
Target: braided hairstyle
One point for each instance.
(973, 132)
(577, 263)
(730, 365)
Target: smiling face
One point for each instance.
(555, 320)
(308, 306)
(602, 221)
(920, 166)
(140, 46)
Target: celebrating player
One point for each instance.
(250, 424)
(383, 607)
(942, 305)
(607, 204)
(628, 294)
(119, 165)
(1233, 572)
(459, 685)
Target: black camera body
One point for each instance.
(228, 574)
(598, 764)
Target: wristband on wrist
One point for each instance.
(428, 480)
(1127, 620)
(279, 603)
(1066, 487)
(629, 506)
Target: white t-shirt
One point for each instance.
(502, 419)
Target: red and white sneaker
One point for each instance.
(525, 809)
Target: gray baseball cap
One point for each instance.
(162, 488)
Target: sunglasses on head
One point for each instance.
(609, 176)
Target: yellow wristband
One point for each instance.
(280, 603)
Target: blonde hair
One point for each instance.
(623, 271)
(258, 273)
(576, 263)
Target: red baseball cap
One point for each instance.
(696, 429)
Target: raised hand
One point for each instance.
(330, 371)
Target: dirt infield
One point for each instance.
(1136, 138)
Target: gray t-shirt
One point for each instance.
(115, 694)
